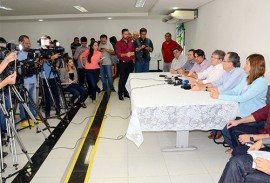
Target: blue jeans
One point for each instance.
(32, 90)
(92, 77)
(141, 66)
(77, 91)
(226, 134)
(239, 169)
(81, 76)
(2, 116)
(106, 76)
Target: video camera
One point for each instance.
(46, 52)
(24, 68)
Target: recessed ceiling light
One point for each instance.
(109, 18)
(140, 3)
(81, 9)
(5, 8)
(40, 20)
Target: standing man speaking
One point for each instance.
(125, 54)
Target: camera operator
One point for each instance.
(30, 83)
(50, 63)
(11, 79)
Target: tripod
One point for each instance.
(13, 132)
(45, 82)
(28, 100)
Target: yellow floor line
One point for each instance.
(81, 144)
(87, 177)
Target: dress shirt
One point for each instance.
(211, 74)
(124, 47)
(229, 80)
(263, 114)
(250, 97)
(188, 65)
(177, 63)
(200, 67)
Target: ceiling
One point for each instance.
(101, 9)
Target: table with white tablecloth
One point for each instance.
(158, 106)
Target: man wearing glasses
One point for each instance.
(212, 73)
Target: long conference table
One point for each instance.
(158, 106)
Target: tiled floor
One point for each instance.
(120, 161)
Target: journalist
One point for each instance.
(11, 79)
(50, 63)
(29, 82)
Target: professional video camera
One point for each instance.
(46, 52)
(24, 68)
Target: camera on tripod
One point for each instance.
(46, 51)
(24, 68)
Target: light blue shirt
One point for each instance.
(47, 69)
(188, 65)
(78, 60)
(22, 55)
(229, 80)
(250, 97)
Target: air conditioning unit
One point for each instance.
(181, 16)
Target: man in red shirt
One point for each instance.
(167, 51)
(125, 54)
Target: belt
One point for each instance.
(126, 61)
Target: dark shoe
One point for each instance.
(126, 95)
(47, 115)
(83, 105)
(113, 90)
(218, 135)
(121, 97)
(72, 105)
(5, 154)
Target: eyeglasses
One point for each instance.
(226, 61)
(215, 57)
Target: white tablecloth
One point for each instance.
(157, 106)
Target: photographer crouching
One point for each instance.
(50, 63)
(30, 79)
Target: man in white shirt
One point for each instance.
(178, 61)
(212, 73)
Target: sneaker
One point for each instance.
(25, 123)
(38, 119)
(113, 90)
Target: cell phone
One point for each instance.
(101, 59)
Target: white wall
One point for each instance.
(65, 31)
(242, 26)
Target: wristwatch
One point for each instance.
(252, 139)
